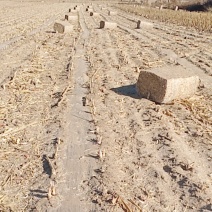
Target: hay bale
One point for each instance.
(63, 27)
(176, 8)
(161, 7)
(112, 13)
(107, 25)
(162, 85)
(89, 9)
(94, 14)
(103, 8)
(72, 11)
(77, 8)
(69, 17)
(144, 24)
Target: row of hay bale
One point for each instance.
(91, 10)
(111, 25)
(72, 16)
(70, 19)
(92, 13)
(76, 9)
(103, 24)
(161, 85)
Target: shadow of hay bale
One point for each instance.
(127, 90)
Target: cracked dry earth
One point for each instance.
(118, 153)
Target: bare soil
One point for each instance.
(117, 152)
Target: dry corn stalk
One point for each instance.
(200, 108)
(197, 20)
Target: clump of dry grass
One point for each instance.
(201, 109)
(199, 21)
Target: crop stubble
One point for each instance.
(32, 97)
(152, 157)
(156, 157)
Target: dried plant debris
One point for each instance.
(151, 157)
(155, 154)
(29, 126)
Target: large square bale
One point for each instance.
(144, 24)
(77, 8)
(112, 13)
(63, 27)
(107, 25)
(94, 14)
(69, 17)
(89, 9)
(162, 85)
(73, 11)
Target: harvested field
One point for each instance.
(75, 135)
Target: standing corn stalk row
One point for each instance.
(199, 21)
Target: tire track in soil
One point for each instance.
(81, 152)
(38, 77)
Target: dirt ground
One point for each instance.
(118, 152)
